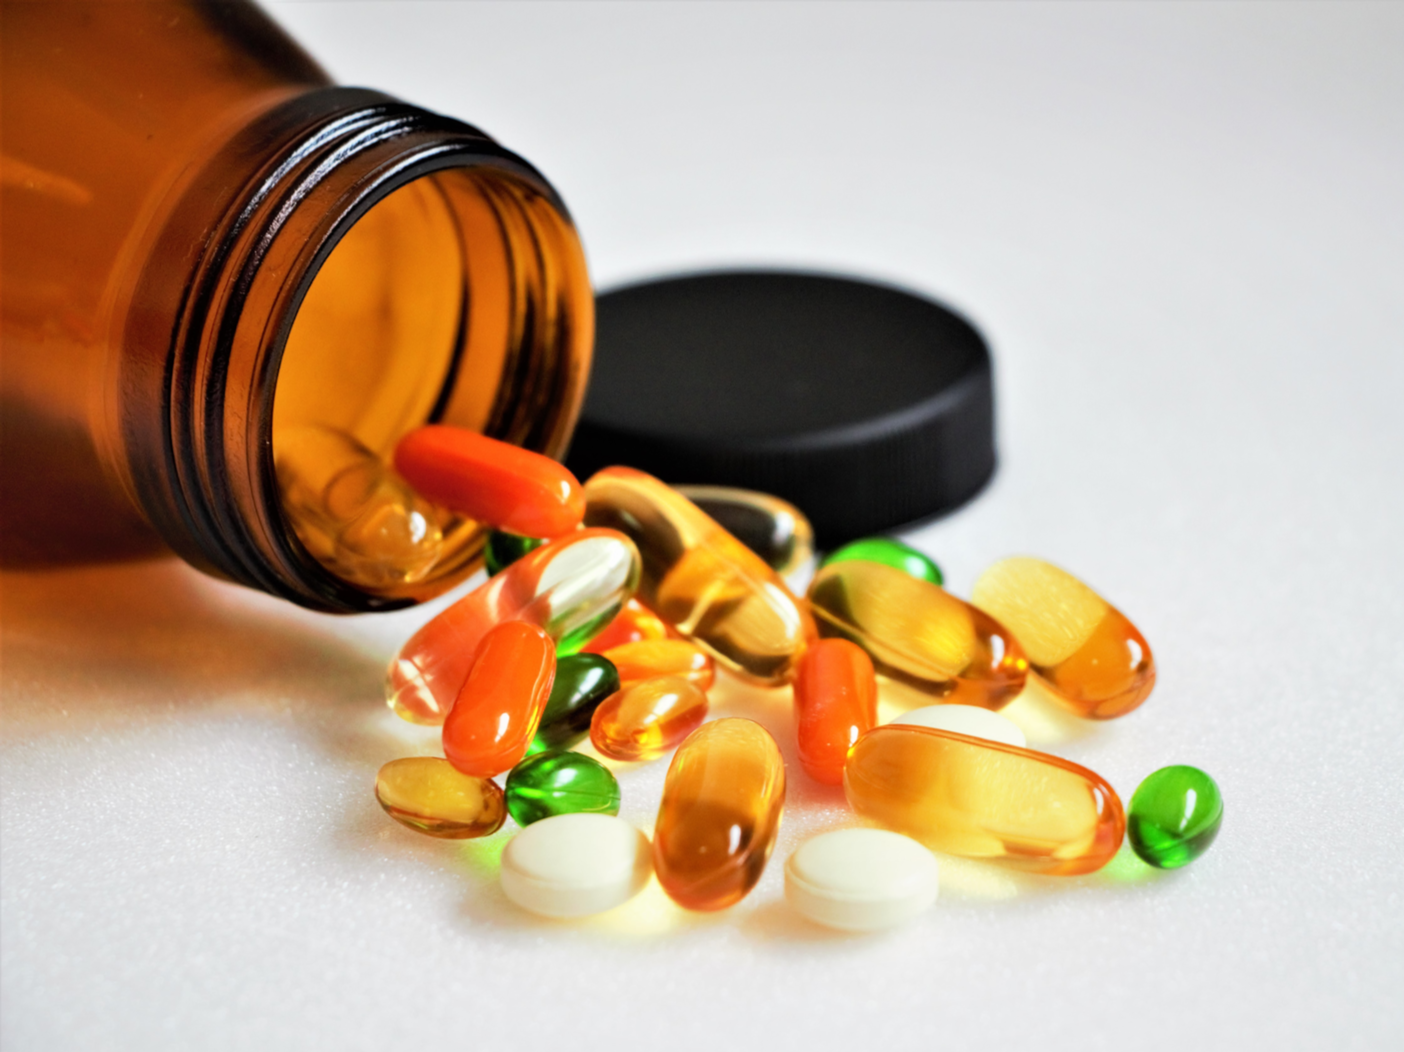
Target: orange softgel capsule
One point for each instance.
(496, 483)
(496, 713)
(647, 718)
(634, 624)
(1094, 660)
(721, 809)
(571, 587)
(919, 634)
(662, 657)
(985, 800)
(700, 579)
(835, 702)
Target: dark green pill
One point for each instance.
(503, 549)
(560, 783)
(582, 682)
(890, 553)
(1174, 816)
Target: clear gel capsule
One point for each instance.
(662, 657)
(701, 580)
(647, 718)
(981, 799)
(918, 633)
(1092, 658)
(582, 682)
(560, 783)
(890, 553)
(774, 529)
(431, 796)
(835, 702)
(572, 588)
(495, 716)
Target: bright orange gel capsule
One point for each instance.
(662, 657)
(647, 718)
(496, 483)
(721, 809)
(570, 587)
(634, 624)
(919, 634)
(495, 715)
(1095, 661)
(835, 702)
(985, 800)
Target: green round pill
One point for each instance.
(503, 549)
(560, 783)
(582, 682)
(1174, 816)
(890, 553)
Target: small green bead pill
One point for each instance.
(560, 783)
(890, 553)
(1174, 816)
(582, 682)
(503, 549)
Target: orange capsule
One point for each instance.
(496, 483)
(634, 624)
(647, 718)
(721, 809)
(495, 715)
(662, 657)
(835, 702)
(984, 799)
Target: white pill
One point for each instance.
(861, 879)
(967, 719)
(575, 865)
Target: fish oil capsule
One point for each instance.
(835, 702)
(892, 553)
(431, 796)
(918, 633)
(503, 549)
(559, 783)
(571, 587)
(575, 865)
(1093, 659)
(1175, 815)
(582, 682)
(720, 812)
(861, 879)
(496, 483)
(984, 800)
(662, 657)
(647, 718)
(634, 624)
(970, 720)
(774, 529)
(495, 715)
(701, 580)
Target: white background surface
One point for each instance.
(1180, 228)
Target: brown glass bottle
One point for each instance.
(204, 243)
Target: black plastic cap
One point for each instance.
(866, 406)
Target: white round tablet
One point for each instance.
(861, 879)
(967, 719)
(575, 865)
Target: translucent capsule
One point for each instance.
(1092, 658)
(496, 483)
(774, 529)
(571, 587)
(918, 633)
(890, 553)
(496, 713)
(1175, 815)
(981, 799)
(835, 702)
(647, 718)
(662, 657)
(503, 549)
(721, 808)
(634, 624)
(351, 512)
(431, 796)
(582, 682)
(700, 579)
(560, 783)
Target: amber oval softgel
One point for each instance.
(985, 800)
(700, 579)
(647, 718)
(918, 633)
(431, 796)
(1094, 660)
(721, 808)
(662, 657)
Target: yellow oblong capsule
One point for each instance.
(432, 796)
(985, 800)
(720, 812)
(919, 633)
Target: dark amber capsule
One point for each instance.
(582, 682)
(431, 796)
(721, 809)
(919, 634)
(774, 529)
(835, 702)
(560, 783)
(662, 657)
(503, 549)
(647, 718)
(634, 624)
(496, 713)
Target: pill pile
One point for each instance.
(608, 610)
